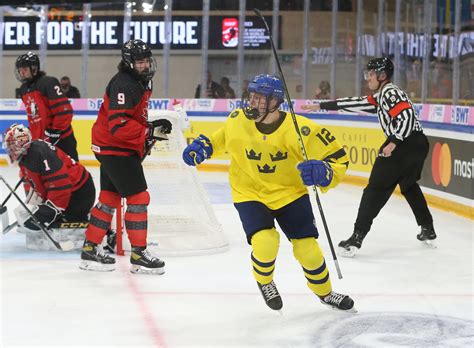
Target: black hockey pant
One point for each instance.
(81, 202)
(69, 146)
(402, 168)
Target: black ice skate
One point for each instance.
(427, 235)
(349, 247)
(145, 263)
(270, 295)
(93, 259)
(111, 241)
(339, 301)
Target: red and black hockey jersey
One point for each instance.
(46, 107)
(52, 173)
(121, 126)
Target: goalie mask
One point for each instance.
(27, 60)
(16, 141)
(265, 96)
(136, 50)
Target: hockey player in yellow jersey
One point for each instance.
(268, 175)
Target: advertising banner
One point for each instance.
(437, 113)
(361, 145)
(106, 32)
(449, 166)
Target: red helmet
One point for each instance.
(16, 141)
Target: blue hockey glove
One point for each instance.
(199, 150)
(46, 213)
(314, 172)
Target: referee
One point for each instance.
(401, 156)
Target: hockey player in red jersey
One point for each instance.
(64, 186)
(48, 109)
(121, 138)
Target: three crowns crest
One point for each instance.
(266, 169)
(279, 156)
(252, 155)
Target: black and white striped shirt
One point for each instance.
(395, 111)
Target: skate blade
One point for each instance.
(353, 310)
(347, 252)
(430, 243)
(135, 269)
(96, 266)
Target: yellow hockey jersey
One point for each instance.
(263, 166)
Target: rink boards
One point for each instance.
(447, 175)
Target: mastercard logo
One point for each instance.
(441, 164)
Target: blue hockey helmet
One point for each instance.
(268, 85)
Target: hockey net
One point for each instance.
(181, 220)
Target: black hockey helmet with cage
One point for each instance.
(27, 60)
(380, 65)
(134, 50)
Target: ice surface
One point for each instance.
(407, 295)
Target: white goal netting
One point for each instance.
(181, 220)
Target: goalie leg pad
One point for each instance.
(21, 215)
(101, 217)
(310, 256)
(36, 240)
(136, 218)
(265, 244)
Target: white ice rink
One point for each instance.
(407, 295)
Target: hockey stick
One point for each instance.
(64, 246)
(300, 139)
(3, 207)
(6, 227)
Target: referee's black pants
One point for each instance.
(402, 168)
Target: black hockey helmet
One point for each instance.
(380, 65)
(134, 50)
(27, 60)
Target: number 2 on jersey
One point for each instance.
(58, 90)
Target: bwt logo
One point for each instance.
(285, 106)
(460, 115)
(441, 164)
(234, 104)
(94, 104)
(418, 108)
